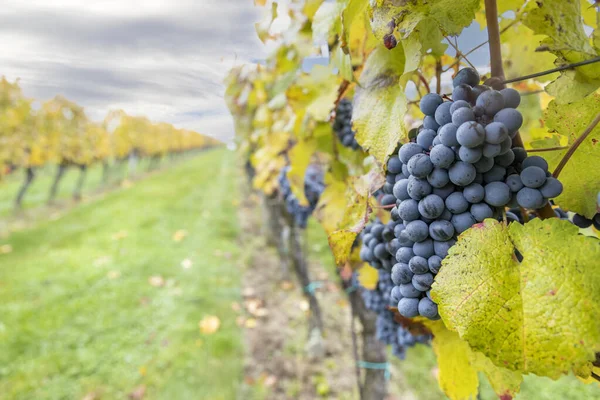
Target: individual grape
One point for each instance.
(466, 76)
(462, 173)
(506, 145)
(394, 165)
(505, 160)
(511, 118)
(418, 188)
(428, 308)
(470, 134)
(457, 203)
(425, 138)
(442, 156)
(442, 114)
(423, 249)
(400, 189)
(417, 230)
(447, 135)
(431, 206)
(581, 221)
(446, 215)
(393, 246)
(456, 104)
(420, 165)
(478, 90)
(377, 231)
(552, 188)
(474, 193)
(438, 178)
(497, 194)
(445, 191)
(481, 211)
(441, 248)
(405, 168)
(491, 150)
(407, 151)
(436, 141)
(401, 274)
(394, 214)
(430, 123)
(441, 230)
(496, 174)
(422, 282)
(395, 296)
(530, 198)
(388, 200)
(409, 307)
(435, 263)
(470, 156)
(404, 254)
(418, 265)
(462, 115)
(409, 210)
(403, 239)
(491, 101)
(520, 154)
(596, 221)
(429, 103)
(495, 133)
(533, 177)
(484, 164)
(461, 223)
(388, 188)
(380, 251)
(535, 161)
(462, 93)
(512, 98)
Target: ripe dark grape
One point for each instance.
(466, 76)
(342, 125)
(313, 187)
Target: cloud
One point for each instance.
(163, 59)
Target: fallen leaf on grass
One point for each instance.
(186, 264)
(120, 235)
(6, 248)
(113, 274)
(235, 306)
(126, 183)
(156, 281)
(250, 323)
(179, 235)
(138, 393)
(209, 324)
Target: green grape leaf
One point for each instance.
(540, 315)
(343, 63)
(380, 103)
(581, 180)
(353, 13)
(562, 24)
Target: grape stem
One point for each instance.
(424, 81)
(547, 149)
(388, 207)
(460, 54)
(575, 145)
(438, 76)
(553, 70)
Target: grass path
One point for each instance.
(80, 316)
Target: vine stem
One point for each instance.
(575, 145)
(424, 81)
(553, 70)
(547, 149)
(438, 76)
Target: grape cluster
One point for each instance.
(342, 124)
(313, 187)
(379, 244)
(461, 170)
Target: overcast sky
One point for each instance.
(165, 59)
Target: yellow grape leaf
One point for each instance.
(540, 315)
(343, 63)
(353, 14)
(457, 377)
(368, 276)
(580, 179)
(179, 235)
(209, 324)
(506, 383)
(300, 156)
(380, 103)
(327, 22)
(317, 92)
(332, 204)
(6, 248)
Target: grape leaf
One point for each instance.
(380, 103)
(581, 180)
(561, 21)
(540, 315)
(506, 383)
(327, 21)
(343, 63)
(316, 92)
(352, 14)
(300, 156)
(519, 56)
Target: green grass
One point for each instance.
(77, 311)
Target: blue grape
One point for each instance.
(446, 215)
(496, 174)
(497, 194)
(404, 254)
(484, 164)
(491, 101)
(466, 76)
(445, 191)
(514, 183)
(409, 291)
(400, 189)
(505, 160)
(428, 308)
(409, 307)
(512, 98)
(535, 161)
(401, 273)
(438, 178)
(477, 90)
(441, 230)
(431, 206)
(491, 150)
(474, 193)
(430, 123)
(462, 173)
(470, 156)
(481, 211)
(470, 134)
(447, 135)
(429, 103)
(420, 165)
(442, 114)
(462, 93)
(552, 188)
(461, 223)
(418, 265)
(380, 251)
(495, 133)
(506, 145)
(462, 115)
(511, 118)
(456, 104)
(520, 154)
(457, 203)
(441, 248)
(425, 138)
(417, 230)
(418, 188)
(442, 156)
(533, 177)
(394, 165)
(387, 200)
(435, 263)
(423, 249)
(478, 111)
(409, 210)
(422, 282)
(407, 151)
(530, 198)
